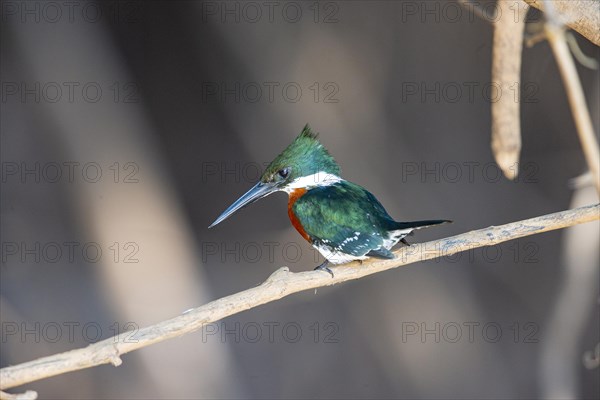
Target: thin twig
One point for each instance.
(580, 56)
(506, 73)
(280, 284)
(556, 36)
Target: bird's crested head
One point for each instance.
(303, 164)
(304, 157)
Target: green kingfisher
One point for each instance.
(341, 219)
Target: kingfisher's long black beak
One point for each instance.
(257, 192)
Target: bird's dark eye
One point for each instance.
(284, 172)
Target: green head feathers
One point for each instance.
(305, 156)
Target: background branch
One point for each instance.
(506, 72)
(556, 37)
(280, 284)
(583, 16)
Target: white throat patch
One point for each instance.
(319, 179)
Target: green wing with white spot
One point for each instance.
(345, 217)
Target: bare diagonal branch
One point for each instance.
(280, 284)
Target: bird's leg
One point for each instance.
(324, 267)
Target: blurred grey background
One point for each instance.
(128, 127)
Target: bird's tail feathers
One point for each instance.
(420, 224)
